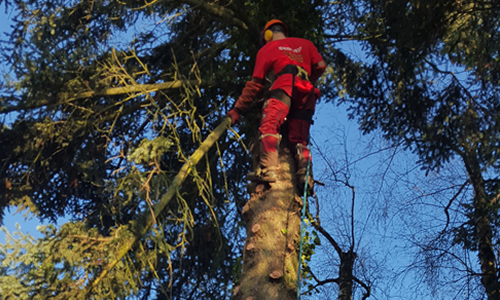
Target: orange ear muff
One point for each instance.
(268, 35)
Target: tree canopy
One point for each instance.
(105, 103)
(109, 100)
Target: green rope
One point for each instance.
(302, 230)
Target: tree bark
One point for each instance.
(270, 257)
(486, 254)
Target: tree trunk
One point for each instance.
(270, 257)
(346, 277)
(486, 254)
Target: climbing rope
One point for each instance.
(302, 230)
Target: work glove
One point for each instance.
(252, 90)
(234, 114)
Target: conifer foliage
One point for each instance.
(104, 105)
(112, 120)
(431, 84)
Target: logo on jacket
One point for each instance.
(293, 54)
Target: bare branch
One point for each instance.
(366, 287)
(449, 205)
(352, 215)
(320, 282)
(332, 241)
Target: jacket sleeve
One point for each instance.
(318, 70)
(251, 91)
(318, 65)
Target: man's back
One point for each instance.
(275, 55)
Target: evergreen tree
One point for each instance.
(431, 83)
(113, 105)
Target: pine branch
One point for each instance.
(143, 88)
(140, 227)
(217, 10)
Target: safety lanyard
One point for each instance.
(302, 230)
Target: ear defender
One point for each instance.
(268, 35)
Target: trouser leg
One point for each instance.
(273, 116)
(298, 136)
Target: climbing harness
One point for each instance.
(279, 94)
(295, 71)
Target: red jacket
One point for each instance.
(275, 55)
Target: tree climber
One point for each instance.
(296, 63)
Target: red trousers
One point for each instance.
(273, 116)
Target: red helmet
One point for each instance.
(272, 22)
(268, 25)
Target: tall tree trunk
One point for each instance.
(346, 277)
(270, 257)
(489, 276)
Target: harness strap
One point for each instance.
(278, 136)
(295, 71)
(301, 114)
(279, 94)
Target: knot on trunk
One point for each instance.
(260, 188)
(250, 246)
(236, 290)
(255, 228)
(276, 274)
(247, 212)
(298, 200)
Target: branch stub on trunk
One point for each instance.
(276, 274)
(255, 228)
(250, 247)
